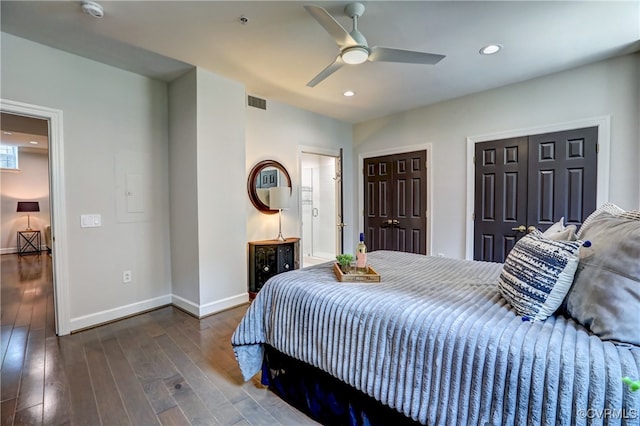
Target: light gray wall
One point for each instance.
(183, 187)
(111, 117)
(31, 183)
(608, 88)
(277, 133)
(221, 192)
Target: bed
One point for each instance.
(436, 343)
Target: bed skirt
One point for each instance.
(323, 397)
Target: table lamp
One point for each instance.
(278, 200)
(28, 206)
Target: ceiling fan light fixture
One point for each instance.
(355, 55)
(491, 49)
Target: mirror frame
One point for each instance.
(251, 184)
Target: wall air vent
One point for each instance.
(257, 102)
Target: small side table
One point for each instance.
(28, 242)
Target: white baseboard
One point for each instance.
(222, 304)
(120, 312)
(200, 311)
(12, 250)
(186, 305)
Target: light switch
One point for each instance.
(90, 220)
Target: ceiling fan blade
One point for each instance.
(333, 27)
(385, 54)
(335, 66)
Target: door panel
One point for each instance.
(562, 176)
(395, 202)
(499, 206)
(531, 181)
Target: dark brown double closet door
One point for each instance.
(531, 182)
(395, 200)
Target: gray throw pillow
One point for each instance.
(605, 296)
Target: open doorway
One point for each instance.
(320, 207)
(51, 215)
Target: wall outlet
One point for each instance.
(440, 254)
(126, 276)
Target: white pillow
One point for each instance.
(556, 227)
(568, 234)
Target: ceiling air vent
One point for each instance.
(257, 102)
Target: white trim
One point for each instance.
(399, 150)
(223, 304)
(186, 305)
(200, 311)
(120, 312)
(14, 250)
(604, 160)
(58, 206)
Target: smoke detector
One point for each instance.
(92, 8)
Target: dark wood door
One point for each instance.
(562, 177)
(500, 182)
(395, 199)
(535, 181)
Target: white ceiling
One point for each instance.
(282, 47)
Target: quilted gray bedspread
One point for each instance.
(436, 341)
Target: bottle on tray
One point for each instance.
(361, 256)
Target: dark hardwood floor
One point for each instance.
(162, 367)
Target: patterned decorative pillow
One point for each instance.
(537, 274)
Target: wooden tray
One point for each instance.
(371, 276)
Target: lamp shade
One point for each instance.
(279, 197)
(28, 206)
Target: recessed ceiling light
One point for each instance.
(7, 133)
(349, 93)
(490, 49)
(92, 8)
(33, 142)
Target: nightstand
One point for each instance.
(271, 257)
(28, 242)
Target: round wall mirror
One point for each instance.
(264, 175)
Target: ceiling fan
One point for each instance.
(354, 48)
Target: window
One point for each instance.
(9, 157)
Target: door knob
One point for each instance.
(395, 222)
(520, 228)
(530, 229)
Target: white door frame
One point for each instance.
(57, 200)
(604, 160)
(391, 151)
(327, 152)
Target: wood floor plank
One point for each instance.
(219, 405)
(192, 406)
(173, 417)
(110, 405)
(7, 410)
(32, 383)
(5, 336)
(84, 409)
(11, 370)
(56, 388)
(135, 400)
(31, 416)
(39, 313)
